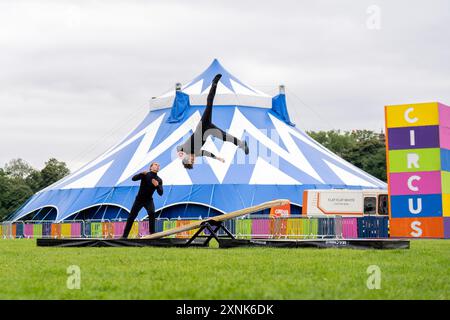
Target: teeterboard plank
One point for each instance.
(223, 217)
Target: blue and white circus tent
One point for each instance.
(283, 160)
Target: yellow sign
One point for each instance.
(412, 115)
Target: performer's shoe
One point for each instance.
(244, 146)
(217, 78)
(246, 150)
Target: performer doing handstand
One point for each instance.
(193, 146)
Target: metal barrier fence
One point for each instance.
(293, 227)
(259, 227)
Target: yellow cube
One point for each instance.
(412, 115)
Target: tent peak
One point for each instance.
(230, 90)
(228, 80)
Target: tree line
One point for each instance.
(19, 180)
(362, 148)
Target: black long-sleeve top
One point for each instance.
(194, 144)
(147, 188)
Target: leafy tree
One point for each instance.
(34, 181)
(53, 171)
(4, 184)
(13, 192)
(363, 148)
(334, 140)
(18, 168)
(369, 153)
(19, 181)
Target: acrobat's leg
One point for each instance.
(224, 136)
(151, 217)
(137, 206)
(207, 114)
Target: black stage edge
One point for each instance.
(317, 243)
(230, 243)
(85, 242)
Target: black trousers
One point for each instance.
(137, 206)
(208, 128)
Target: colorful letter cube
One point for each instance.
(418, 157)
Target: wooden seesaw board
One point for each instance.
(223, 217)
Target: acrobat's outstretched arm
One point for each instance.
(211, 155)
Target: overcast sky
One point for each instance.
(76, 76)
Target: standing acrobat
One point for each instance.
(150, 181)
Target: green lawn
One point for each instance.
(30, 272)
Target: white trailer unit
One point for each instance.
(345, 202)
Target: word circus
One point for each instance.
(418, 168)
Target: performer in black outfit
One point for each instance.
(192, 147)
(144, 199)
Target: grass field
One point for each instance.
(30, 272)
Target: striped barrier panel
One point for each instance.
(159, 225)
(6, 230)
(278, 228)
(28, 230)
(75, 229)
(310, 227)
(373, 227)
(338, 227)
(87, 229)
(66, 230)
(96, 230)
(260, 228)
(19, 230)
(46, 230)
(144, 228)
(229, 224)
(349, 228)
(244, 228)
(307, 229)
(55, 230)
(326, 228)
(134, 232)
(107, 229)
(186, 234)
(294, 228)
(363, 228)
(118, 228)
(13, 230)
(10, 231)
(169, 224)
(37, 230)
(382, 228)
